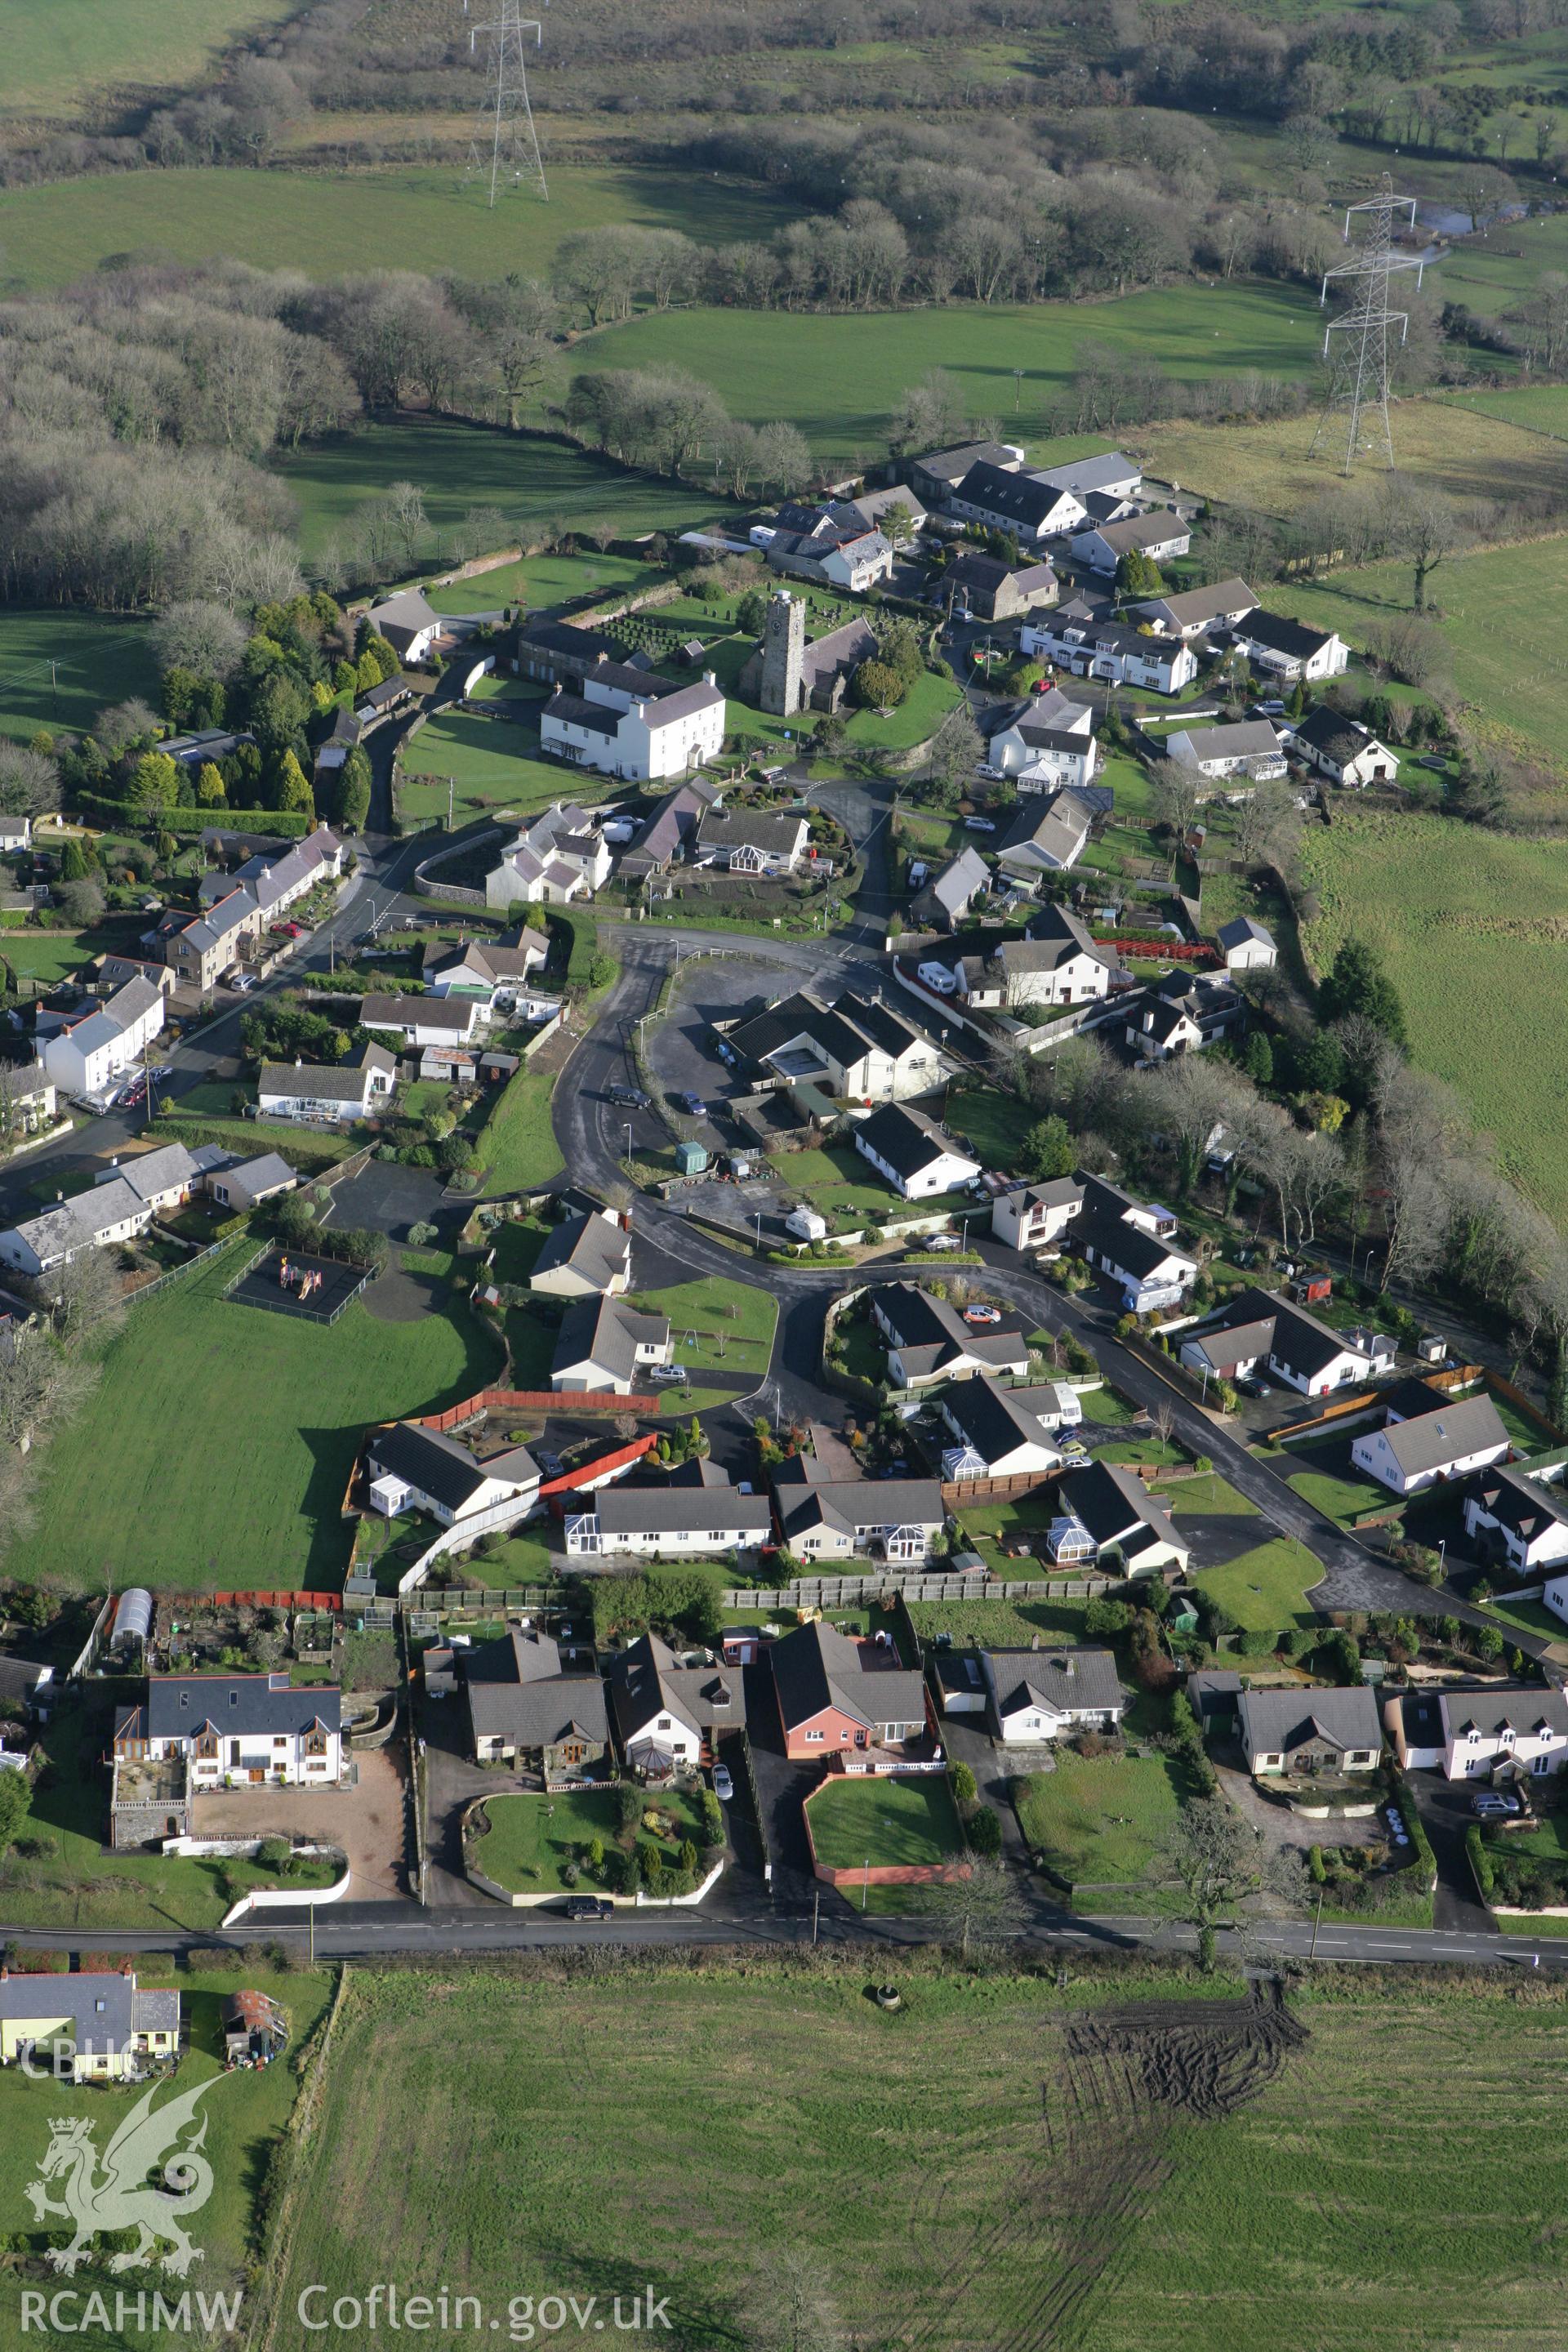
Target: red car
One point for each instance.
(294, 931)
(983, 1315)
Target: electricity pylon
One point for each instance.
(514, 141)
(1359, 381)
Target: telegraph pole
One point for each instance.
(1358, 390)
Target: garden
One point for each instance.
(613, 1840)
(1097, 1820)
(885, 1820)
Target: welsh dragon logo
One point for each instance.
(150, 2182)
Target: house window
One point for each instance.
(813, 1739)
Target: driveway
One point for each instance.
(967, 1741)
(369, 1822)
(1446, 1814)
(452, 1781)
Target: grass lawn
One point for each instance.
(1097, 1821)
(517, 1242)
(531, 1837)
(522, 1559)
(1537, 407)
(1527, 1617)
(1266, 1590)
(838, 1180)
(992, 1529)
(717, 1325)
(247, 2113)
(532, 481)
(79, 1886)
(1321, 1472)
(998, 1624)
(1423, 890)
(537, 581)
(532, 1337)
(696, 1396)
(838, 377)
(323, 223)
(516, 1147)
(889, 1817)
(96, 659)
(995, 1124)
(52, 956)
(492, 763)
(222, 1439)
(96, 48)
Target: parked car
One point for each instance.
(937, 977)
(938, 1242)
(633, 1097)
(979, 824)
(983, 1315)
(1254, 1385)
(242, 982)
(668, 1372)
(724, 1786)
(993, 775)
(589, 1907)
(1075, 1454)
(693, 1106)
(1491, 1803)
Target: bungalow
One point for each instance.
(1288, 650)
(1116, 1513)
(631, 722)
(1043, 742)
(936, 476)
(1149, 1273)
(1039, 1695)
(855, 1049)
(1523, 1521)
(235, 1729)
(1197, 610)
(411, 1468)
(893, 1521)
(1471, 1735)
(605, 1345)
(423, 1020)
(842, 1697)
(896, 512)
(97, 1046)
(748, 840)
(525, 1710)
(585, 1255)
(911, 1151)
(409, 622)
(16, 832)
(1057, 963)
(1259, 1327)
(1003, 1432)
(1250, 747)
(96, 2026)
(492, 975)
(665, 1714)
(669, 1521)
(1246, 946)
(1036, 1214)
(1308, 1732)
(328, 1092)
(988, 589)
(668, 834)
(1162, 534)
(1046, 841)
(948, 899)
(1028, 507)
(165, 1177)
(246, 1183)
(1341, 748)
(1428, 1437)
(1112, 651)
(103, 1217)
(928, 1340)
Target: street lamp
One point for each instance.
(628, 1146)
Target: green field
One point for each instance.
(537, 484)
(51, 956)
(221, 1439)
(537, 581)
(325, 223)
(838, 1180)
(997, 1624)
(837, 377)
(96, 660)
(1266, 1590)
(1432, 894)
(1537, 407)
(959, 2176)
(886, 1819)
(1504, 612)
(516, 1146)
(246, 2112)
(717, 1325)
(493, 764)
(1489, 274)
(61, 57)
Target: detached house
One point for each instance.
(1480, 1735)
(987, 589)
(1288, 649)
(1525, 1521)
(560, 854)
(893, 1521)
(103, 1217)
(1306, 1732)
(1057, 963)
(523, 1709)
(1036, 1214)
(834, 546)
(937, 475)
(855, 1050)
(1043, 743)
(1162, 534)
(1183, 1013)
(585, 1255)
(1027, 505)
(847, 1702)
(1248, 748)
(409, 622)
(927, 1339)
(96, 2025)
(949, 898)
(410, 1467)
(631, 722)
(676, 1520)
(1342, 750)
(1037, 1695)
(604, 1344)
(424, 1020)
(87, 1051)
(665, 1714)
(911, 1151)
(749, 841)
(235, 1729)
(1111, 1510)
(327, 1093)
(1261, 1328)
(1001, 1433)
(1428, 1437)
(1046, 841)
(1197, 610)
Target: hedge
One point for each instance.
(308, 1153)
(1419, 1840)
(584, 936)
(128, 817)
(1480, 1862)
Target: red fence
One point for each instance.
(535, 1400)
(1175, 950)
(275, 1600)
(603, 1467)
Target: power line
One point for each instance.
(509, 116)
(1358, 390)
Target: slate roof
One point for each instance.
(379, 1012)
(1067, 1682)
(605, 1332)
(1113, 1504)
(1426, 1441)
(1283, 636)
(441, 1467)
(1299, 1338)
(592, 1246)
(1015, 498)
(1329, 730)
(321, 1081)
(644, 1682)
(106, 2007)
(930, 1332)
(1085, 474)
(517, 1692)
(1509, 1709)
(664, 1509)
(994, 1421)
(1523, 1504)
(1274, 1721)
(1242, 930)
(817, 1667)
(960, 881)
(1152, 529)
(177, 1706)
(774, 836)
(906, 1139)
(1194, 606)
(1246, 739)
(846, 1504)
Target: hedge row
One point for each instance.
(1420, 1842)
(128, 817)
(309, 1153)
(1480, 1862)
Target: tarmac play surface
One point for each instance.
(338, 1283)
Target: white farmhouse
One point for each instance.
(625, 721)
